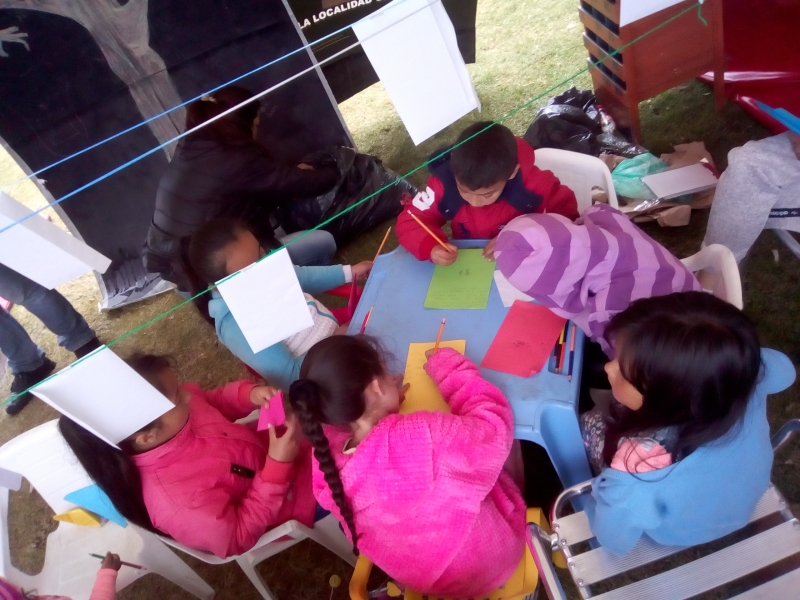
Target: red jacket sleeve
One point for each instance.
(424, 206)
(556, 198)
(105, 586)
(232, 399)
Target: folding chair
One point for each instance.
(42, 456)
(776, 538)
(579, 172)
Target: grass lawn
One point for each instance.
(523, 48)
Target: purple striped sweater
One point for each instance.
(588, 270)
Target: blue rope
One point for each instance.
(176, 107)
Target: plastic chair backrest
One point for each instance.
(716, 269)
(42, 456)
(579, 172)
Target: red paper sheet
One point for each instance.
(525, 340)
(272, 414)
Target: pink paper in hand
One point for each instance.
(272, 414)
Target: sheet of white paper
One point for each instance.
(42, 251)
(266, 301)
(104, 395)
(633, 10)
(412, 47)
(683, 180)
(508, 293)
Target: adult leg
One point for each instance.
(17, 345)
(313, 249)
(49, 306)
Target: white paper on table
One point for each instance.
(266, 301)
(680, 181)
(104, 395)
(508, 293)
(412, 46)
(633, 10)
(40, 250)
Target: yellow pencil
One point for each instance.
(433, 235)
(385, 237)
(439, 337)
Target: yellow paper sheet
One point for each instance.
(79, 516)
(423, 393)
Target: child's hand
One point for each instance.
(111, 561)
(286, 447)
(361, 270)
(342, 329)
(261, 394)
(440, 256)
(488, 250)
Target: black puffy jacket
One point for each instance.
(206, 180)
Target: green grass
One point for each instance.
(523, 48)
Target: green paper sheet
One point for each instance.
(464, 284)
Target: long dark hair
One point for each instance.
(234, 128)
(202, 259)
(330, 391)
(113, 469)
(694, 358)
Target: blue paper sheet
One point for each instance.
(94, 499)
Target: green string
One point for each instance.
(509, 114)
(700, 13)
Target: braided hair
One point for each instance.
(330, 391)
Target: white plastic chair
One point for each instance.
(326, 533)
(579, 172)
(42, 456)
(716, 269)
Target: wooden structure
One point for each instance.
(681, 50)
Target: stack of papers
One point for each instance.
(677, 182)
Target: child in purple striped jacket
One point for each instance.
(589, 270)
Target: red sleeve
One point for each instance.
(105, 586)
(557, 198)
(232, 399)
(424, 206)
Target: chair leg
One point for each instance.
(160, 559)
(256, 579)
(326, 533)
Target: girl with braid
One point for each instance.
(423, 495)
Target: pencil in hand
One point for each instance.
(439, 337)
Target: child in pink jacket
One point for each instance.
(105, 586)
(423, 495)
(196, 476)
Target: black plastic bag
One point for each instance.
(359, 176)
(570, 121)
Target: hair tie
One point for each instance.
(208, 98)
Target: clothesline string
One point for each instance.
(370, 196)
(182, 104)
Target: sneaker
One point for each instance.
(90, 346)
(22, 381)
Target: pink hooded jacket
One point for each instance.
(212, 487)
(433, 507)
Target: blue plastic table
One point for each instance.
(545, 404)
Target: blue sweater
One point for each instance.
(275, 363)
(708, 494)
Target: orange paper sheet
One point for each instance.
(525, 340)
(422, 393)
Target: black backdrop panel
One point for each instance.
(352, 72)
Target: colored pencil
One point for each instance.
(122, 562)
(571, 353)
(366, 320)
(562, 340)
(425, 227)
(385, 237)
(439, 337)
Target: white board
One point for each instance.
(40, 250)
(104, 395)
(412, 47)
(266, 301)
(633, 10)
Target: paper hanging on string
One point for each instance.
(40, 250)
(412, 47)
(633, 10)
(266, 301)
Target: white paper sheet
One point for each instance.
(42, 251)
(633, 10)
(104, 395)
(508, 293)
(266, 301)
(680, 181)
(416, 56)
